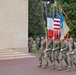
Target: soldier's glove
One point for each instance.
(53, 49)
(73, 52)
(45, 50)
(66, 53)
(61, 50)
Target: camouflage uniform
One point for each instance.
(62, 55)
(48, 53)
(50, 46)
(41, 51)
(37, 41)
(71, 55)
(55, 52)
(74, 58)
(30, 42)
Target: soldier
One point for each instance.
(37, 41)
(55, 51)
(30, 42)
(74, 57)
(71, 54)
(41, 51)
(48, 52)
(62, 54)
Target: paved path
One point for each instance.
(28, 66)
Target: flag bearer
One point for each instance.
(71, 55)
(55, 51)
(48, 52)
(41, 51)
(62, 55)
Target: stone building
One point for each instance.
(14, 25)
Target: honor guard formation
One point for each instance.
(55, 50)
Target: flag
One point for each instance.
(64, 29)
(56, 23)
(64, 13)
(50, 25)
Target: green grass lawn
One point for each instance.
(33, 49)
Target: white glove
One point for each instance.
(53, 49)
(66, 53)
(73, 52)
(45, 50)
(61, 50)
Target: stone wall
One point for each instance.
(14, 24)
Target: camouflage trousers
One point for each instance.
(30, 48)
(47, 55)
(71, 58)
(41, 55)
(55, 55)
(62, 56)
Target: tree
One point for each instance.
(70, 9)
(35, 21)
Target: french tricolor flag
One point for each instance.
(50, 26)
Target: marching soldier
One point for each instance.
(41, 51)
(30, 42)
(74, 57)
(55, 51)
(71, 55)
(62, 55)
(48, 52)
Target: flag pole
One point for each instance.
(45, 23)
(53, 17)
(53, 31)
(60, 30)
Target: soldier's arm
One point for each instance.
(49, 49)
(50, 46)
(66, 47)
(58, 46)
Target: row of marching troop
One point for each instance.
(56, 51)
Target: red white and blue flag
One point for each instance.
(50, 25)
(56, 23)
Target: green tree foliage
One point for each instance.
(36, 23)
(69, 7)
